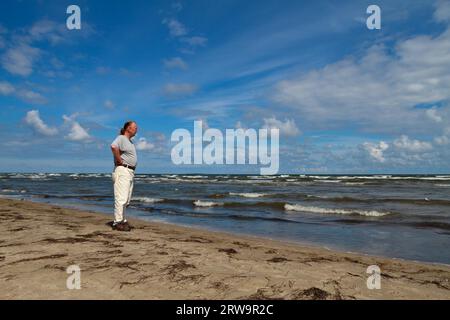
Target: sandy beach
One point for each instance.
(161, 261)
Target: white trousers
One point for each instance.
(123, 188)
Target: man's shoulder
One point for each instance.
(118, 139)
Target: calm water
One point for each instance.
(396, 216)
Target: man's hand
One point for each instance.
(117, 158)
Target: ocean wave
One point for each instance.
(354, 183)
(200, 203)
(297, 207)
(240, 217)
(14, 191)
(17, 176)
(344, 199)
(431, 225)
(147, 199)
(195, 177)
(442, 185)
(248, 194)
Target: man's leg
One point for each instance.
(121, 192)
(130, 175)
(130, 191)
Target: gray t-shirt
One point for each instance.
(127, 150)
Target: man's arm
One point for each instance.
(116, 152)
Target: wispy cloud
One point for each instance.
(179, 89)
(175, 63)
(19, 60)
(176, 28)
(6, 88)
(195, 41)
(109, 104)
(24, 94)
(31, 96)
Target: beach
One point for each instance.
(39, 241)
(395, 216)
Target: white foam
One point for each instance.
(195, 177)
(147, 199)
(297, 207)
(200, 203)
(16, 176)
(39, 176)
(317, 196)
(248, 194)
(442, 185)
(13, 190)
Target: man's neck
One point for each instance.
(127, 135)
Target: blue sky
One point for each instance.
(345, 98)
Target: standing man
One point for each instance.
(125, 160)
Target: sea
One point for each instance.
(396, 216)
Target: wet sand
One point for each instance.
(161, 261)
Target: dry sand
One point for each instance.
(161, 261)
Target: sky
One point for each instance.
(346, 99)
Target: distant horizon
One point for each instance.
(238, 174)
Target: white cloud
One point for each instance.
(378, 91)
(109, 104)
(433, 115)
(239, 125)
(46, 29)
(34, 121)
(24, 94)
(6, 88)
(19, 60)
(376, 150)
(144, 145)
(287, 128)
(177, 6)
(195, 41)
(174, 63)
(77, 132)
(405, 143)
(442, 140)
(31, 96)
(179, 89)
(442, 12)
(176, 28)
(102, 70)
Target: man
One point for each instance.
(125, 160)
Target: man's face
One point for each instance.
(132, 129)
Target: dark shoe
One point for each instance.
(121, 226)
(129, 225)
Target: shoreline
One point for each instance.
(159, 260)
(238, 234)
